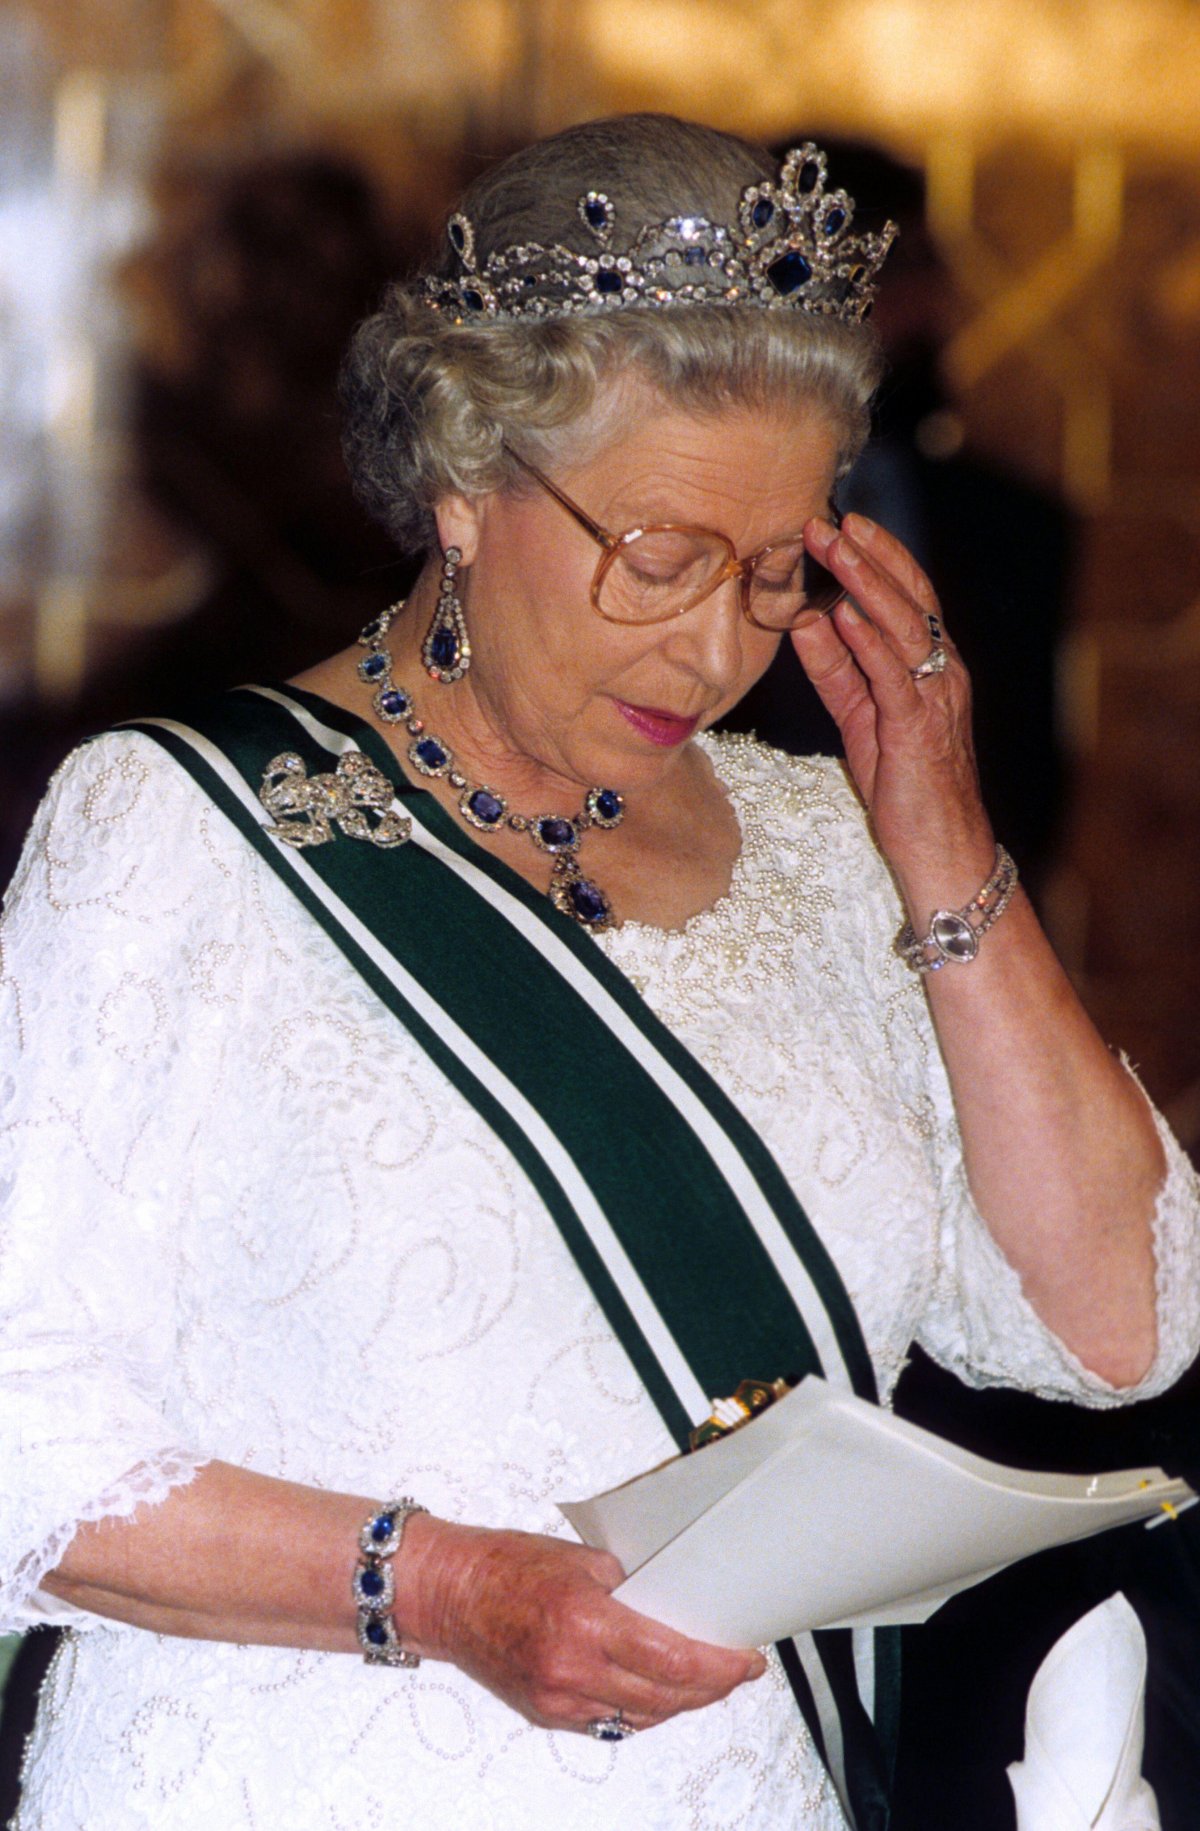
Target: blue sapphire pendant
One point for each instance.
(446, 653)
(578, 897)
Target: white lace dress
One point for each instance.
(244, 1217)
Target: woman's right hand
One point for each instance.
(533, 1619)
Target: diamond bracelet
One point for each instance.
(374, 1584)
(952, 935)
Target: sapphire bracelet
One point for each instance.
(374, 1584)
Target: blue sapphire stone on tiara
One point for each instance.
(790, 246)
(597, 212)
(789, 272)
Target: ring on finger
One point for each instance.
(610, 1729)
(934, 663)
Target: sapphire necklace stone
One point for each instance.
(484, 808)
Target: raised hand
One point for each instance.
(907, 739)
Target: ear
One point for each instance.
(458, 524)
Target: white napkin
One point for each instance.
(1084, 1730)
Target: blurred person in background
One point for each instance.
(243, 310)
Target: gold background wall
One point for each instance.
(1059, 139)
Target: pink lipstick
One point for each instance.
(665, 728)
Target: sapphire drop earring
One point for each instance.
(446, 650)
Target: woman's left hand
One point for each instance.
(908, 741)
(1059, 1146)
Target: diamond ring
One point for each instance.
(934, 663)
(610, 1729)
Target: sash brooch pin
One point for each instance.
(307, 808)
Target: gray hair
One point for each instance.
(429, 405)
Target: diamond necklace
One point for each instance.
(481, 807)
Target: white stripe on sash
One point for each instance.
(691, 1394)
(831, 1722)
(787, 1262)
(785, 1256)
(790, 1267)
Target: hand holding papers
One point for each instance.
(825, 1511)
(1084, 1730)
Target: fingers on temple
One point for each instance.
(892, 556)
(904, 618)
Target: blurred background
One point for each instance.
(198, 198)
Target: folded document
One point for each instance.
(826, 1511)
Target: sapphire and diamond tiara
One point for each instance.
(790, 247)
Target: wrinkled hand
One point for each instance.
(908, 742)
(533, 1620)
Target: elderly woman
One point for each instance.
(438, 1077)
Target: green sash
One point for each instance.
(703, 1261)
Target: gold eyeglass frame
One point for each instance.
(734, 567)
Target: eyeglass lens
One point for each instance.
(666, 570)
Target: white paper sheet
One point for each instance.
(825, 1511)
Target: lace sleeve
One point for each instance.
(104, 1061)
(981, 1325)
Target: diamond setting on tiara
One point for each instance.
(791, 248)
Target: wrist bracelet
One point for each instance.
(952, 934)
(374, 1584)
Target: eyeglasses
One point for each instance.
(661, 570)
